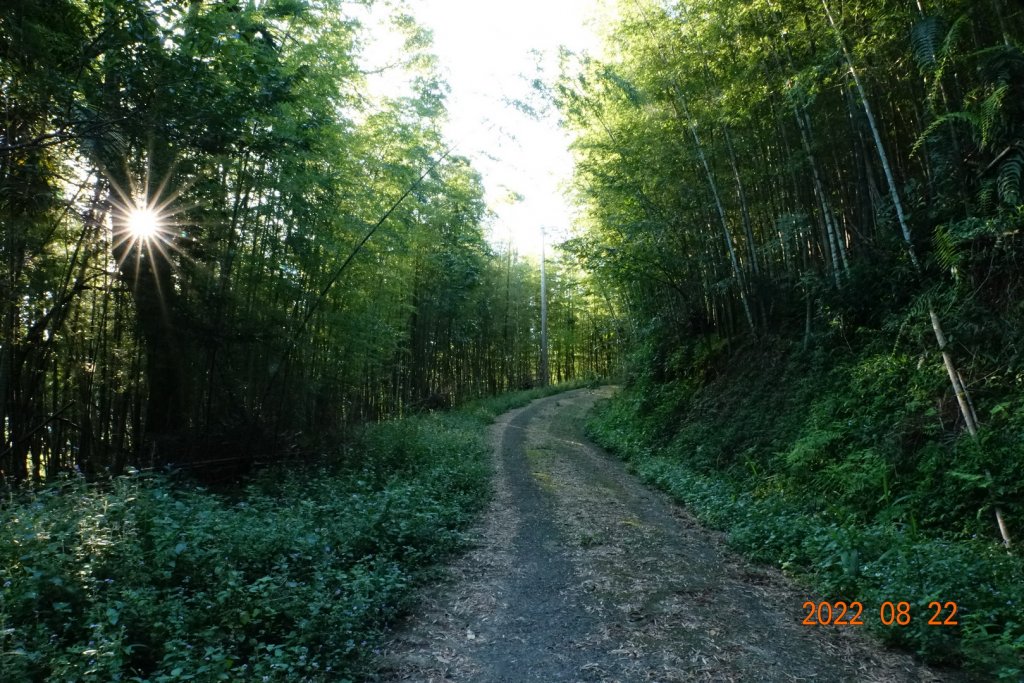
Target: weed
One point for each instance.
(294, 578)
(828, 476)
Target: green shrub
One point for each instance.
(833, 505)
(293, 578)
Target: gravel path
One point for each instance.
(581, 573)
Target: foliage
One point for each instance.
(821, 476)
(813, 214)
(321, 262)
(296, 577)
(758, 169)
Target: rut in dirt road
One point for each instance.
(583, 574)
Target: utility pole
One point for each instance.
(544, 374)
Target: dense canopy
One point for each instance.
(317, 256)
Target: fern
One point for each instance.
(921, 306)
(956, 31)
(1000, 63)
(944, 57)
(991, 114)
(925, 37)
(987, 196)
(952, 117)
(947, 252)
(1010, 173)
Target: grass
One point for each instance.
(296, 577)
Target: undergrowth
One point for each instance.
(843, 474)
(294, 578)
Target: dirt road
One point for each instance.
(583, 574)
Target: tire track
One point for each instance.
(580, 573)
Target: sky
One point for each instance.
(489, 53)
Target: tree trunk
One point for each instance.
(146, 271)
(744, 204)
(726, 233)
(876, 135)
(544, 372)
(837, 250)
(963, 399)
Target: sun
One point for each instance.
(143, 223)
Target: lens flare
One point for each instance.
(145, 228)
(143, 223)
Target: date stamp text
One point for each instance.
(890, 613)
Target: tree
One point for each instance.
(844, 159)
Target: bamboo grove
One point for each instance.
(832, 173)
(726, 146)
(322, 259)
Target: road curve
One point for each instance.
(581, 573)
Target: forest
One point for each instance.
(255, 323)
(320, 258)
(812, 211)
(221, 255)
